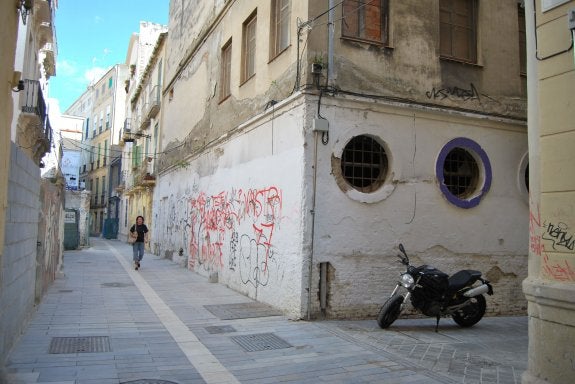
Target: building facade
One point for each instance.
(550, 286)
(29, 255)
(141, 132)
(103, 126)
(302, 141)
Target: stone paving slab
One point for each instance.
(166, 323)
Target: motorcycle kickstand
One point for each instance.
(437, 324)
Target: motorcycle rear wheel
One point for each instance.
(390, 310)
(472, 313)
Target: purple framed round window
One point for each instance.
(464, 172)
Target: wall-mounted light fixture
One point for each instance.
(25, 7)
(17, 83)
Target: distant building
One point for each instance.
(141, 134)
(102, 106)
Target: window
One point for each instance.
(226, 70)
(108, 117)
(249, 48)
(458, 29)
(105, 152)
(280, 21)
(364, 163)
(110, 82)
(522, 40)
(464, 172)
(365, 20)
(87, 128)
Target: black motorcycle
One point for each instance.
(434, 293)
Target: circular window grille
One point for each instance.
(364, 163)
(464, 172)
(460, 173)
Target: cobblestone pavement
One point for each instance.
(105, 323)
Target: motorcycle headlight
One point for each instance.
(407, 280)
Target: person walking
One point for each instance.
(141, 231)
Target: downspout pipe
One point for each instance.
(330, 39)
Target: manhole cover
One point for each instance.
(242, 310)
(116, 285)
(220, 329)
(260, 342)
(89, 344)
(148, 381)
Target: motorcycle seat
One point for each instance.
(463, 278)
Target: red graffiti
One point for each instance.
(217, 217)
(534, 233)
(560, 271)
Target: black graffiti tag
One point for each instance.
(464, 94)
(558, 235)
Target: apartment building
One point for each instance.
(29, 255)
(303, 141)
(104, 121)
(141, 133)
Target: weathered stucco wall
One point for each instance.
(236, 210)
(358, 233)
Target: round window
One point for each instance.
(464, 172)
(364, 163)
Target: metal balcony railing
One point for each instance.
(33, 99)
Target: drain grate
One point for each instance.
(220, 329)
(148, 381)
(116, 285)
(260, 342)
(89, 344)
(65, 291)
(242, 310)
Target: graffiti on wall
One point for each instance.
(240, 224)
(454, 92)
(544, 237)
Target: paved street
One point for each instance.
(104, 323)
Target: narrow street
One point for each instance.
(106, 323)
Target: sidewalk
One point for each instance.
(105, 323)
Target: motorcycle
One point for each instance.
(437, 294)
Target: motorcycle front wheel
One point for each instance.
(472, 313)
(390, 310)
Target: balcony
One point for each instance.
(48, 58)
(154, 103)
(34, 129)
(144, 121)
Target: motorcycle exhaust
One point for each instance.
(477, 291)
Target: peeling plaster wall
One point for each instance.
(221, 156)
(358, 233)
(235, 211)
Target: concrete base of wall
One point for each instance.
(551, 332)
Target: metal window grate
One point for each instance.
(88, 344)
(364, 163)
(260, 342)
(460, 173)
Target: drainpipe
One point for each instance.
(312, 211)
(330, 34)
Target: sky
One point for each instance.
(92, 36)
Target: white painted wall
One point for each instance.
(237, 210)
(358, 233)
(204, 207)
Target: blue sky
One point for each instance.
(92, 36)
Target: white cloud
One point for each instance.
(94, 74)
(66, 68)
